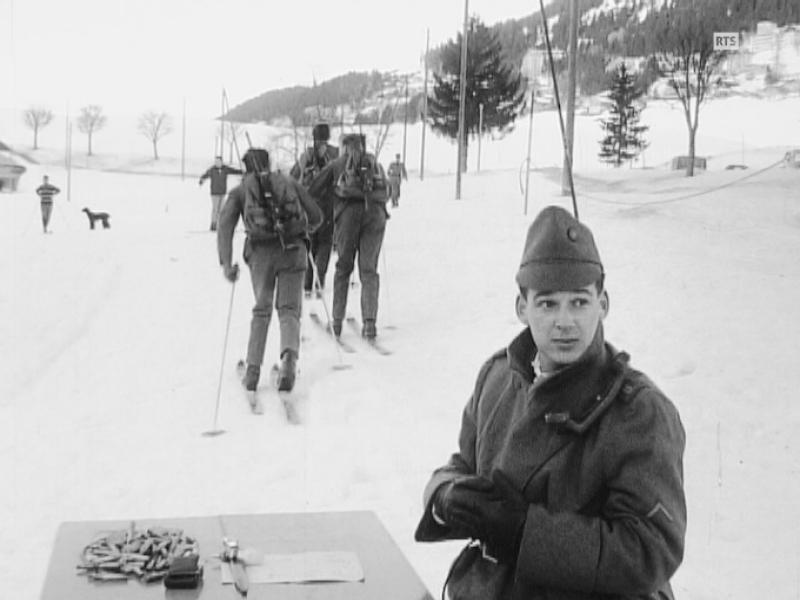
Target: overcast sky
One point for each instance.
(132, 55)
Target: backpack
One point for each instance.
(312, 163)
(365, 180)
(272, 208)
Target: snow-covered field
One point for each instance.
(111, 343)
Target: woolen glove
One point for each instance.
(453, 500)
(231, 272)
(498, 515)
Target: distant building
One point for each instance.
(10, 172)
(770, 49)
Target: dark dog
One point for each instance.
(97, 216)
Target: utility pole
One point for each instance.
(572, 59)
(69, 161)
(183, 141)
(530, 140)
(405, 123)
(222, 124)
(424, 107)
(462, 98)
(66, 137)
(480, 133)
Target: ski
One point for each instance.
(375, 344)
(288, 399)
(253, 400)
(344, 345)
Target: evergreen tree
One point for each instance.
(623, 140)
(489, 82)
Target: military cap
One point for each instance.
(321, 132)
(559, 254)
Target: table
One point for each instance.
(387, 573)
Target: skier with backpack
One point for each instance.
(278, 214)
(359, 214)
(310, 163)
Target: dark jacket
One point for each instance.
(46, 191)
(607, 513)
(219, 178)
(234, 208)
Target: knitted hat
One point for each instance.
(321, 132)
(559, 255)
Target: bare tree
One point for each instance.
(155, 125)
(685, 55)
(90, 120)
(36, 118)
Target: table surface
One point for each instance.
(387, 573)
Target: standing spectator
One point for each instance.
(359, 216)
(219, 186)
(278, 214)
(569, 471)
(397, 171)
(46, 191)
(310, 163)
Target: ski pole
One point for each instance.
(214, 430)
(318, 288)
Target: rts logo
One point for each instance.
(726, 40)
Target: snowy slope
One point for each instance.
(111, 344)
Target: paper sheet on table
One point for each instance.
(304, 567)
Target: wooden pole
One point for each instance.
(405, 123)
(424, 107)
(66, 137)
(222, 124)
(69, 161)
(530, 140)
(480, 133)
(183, 141)
(572, 61)
(462, 97)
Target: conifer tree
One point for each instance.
(623, 135)
(489, 81)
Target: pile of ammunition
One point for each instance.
(145, 554)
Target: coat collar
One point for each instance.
(574, 396)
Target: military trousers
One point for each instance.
(358, 231)
(47, 210)
(277, 277)
(216, 205)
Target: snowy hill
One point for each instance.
(111, 342)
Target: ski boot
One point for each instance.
(250, 379)
(368, 331)
(287, 371)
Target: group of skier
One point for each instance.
(292, 223)
(568, 476)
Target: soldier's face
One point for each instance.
(563, 324)
(320, 147)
